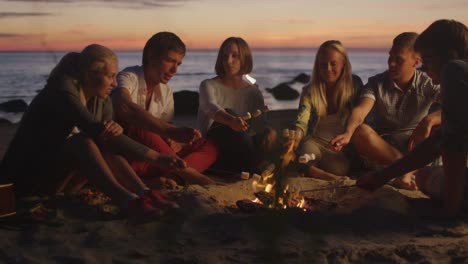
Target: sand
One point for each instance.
(387, 226)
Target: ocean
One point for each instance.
(23, 74)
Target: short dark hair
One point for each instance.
(245, 55)
(446, 39)
(405, 40)
(160, 44)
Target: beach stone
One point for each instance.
(185, 103)
(302, 78)
(14, 106)
(283, 92)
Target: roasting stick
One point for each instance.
(249, 116)
(328, 188)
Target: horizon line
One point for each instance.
(211, 49)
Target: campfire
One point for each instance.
(270, 188)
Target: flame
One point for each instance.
(301, 203)
(268, 176)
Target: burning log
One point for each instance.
(265, 197)
(248, 206)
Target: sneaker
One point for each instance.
(141, 210)
(160, 200)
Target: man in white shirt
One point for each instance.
(144, 104)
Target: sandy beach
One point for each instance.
(349, 225)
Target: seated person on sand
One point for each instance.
(224, 99)
(144, 104)
(400, 98)
(444, 52)
(324, 105)
(68, 130)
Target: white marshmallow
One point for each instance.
(257, 113)
(306, 158)
(256, 177)
(245, 175)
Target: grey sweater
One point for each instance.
(47, 123)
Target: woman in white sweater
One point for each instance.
(224, 99)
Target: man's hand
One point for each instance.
(184, 134)
(424, 128)
(372, 181)
(420, 133)
(239, 124)
(340, 141)
(171, 162)
(111, 129)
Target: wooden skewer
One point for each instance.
(247, 115)
(328, 188)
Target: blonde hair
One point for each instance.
(317, 87)
(245, 56)
(84, 66)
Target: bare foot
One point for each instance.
(317, 173)
(404, 182)
(191, 176)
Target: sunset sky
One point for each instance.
(126, 25)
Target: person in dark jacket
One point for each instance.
(68, 128)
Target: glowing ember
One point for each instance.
(301, 203)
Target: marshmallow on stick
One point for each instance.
(245, 175)
(247, 116)
(259, 112)
(306, 158)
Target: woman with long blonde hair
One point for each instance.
(325, 103)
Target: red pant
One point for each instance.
(199, 155)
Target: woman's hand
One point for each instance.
(340, 141)
(175, 146)
(111, 129)
(292, 141)
(238, 124)
(171, 162)
(184, 134)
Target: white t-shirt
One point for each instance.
(162, 101)
(215, 96)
